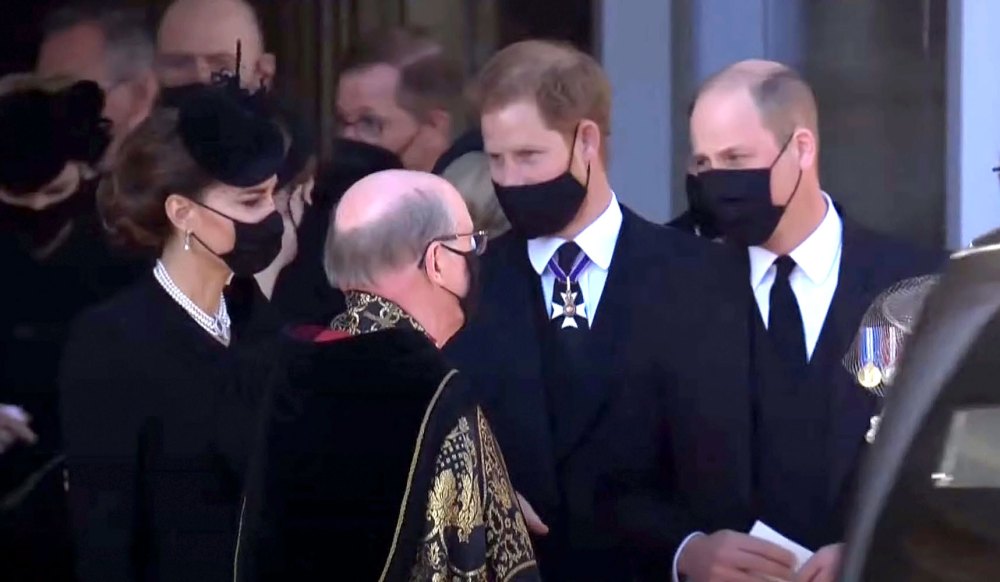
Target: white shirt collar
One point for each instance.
(597, 240)
(816, 256)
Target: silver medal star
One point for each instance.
(569, 310)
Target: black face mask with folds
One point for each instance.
(468, 303)
(739, 202)
(256, 246)
(545, 208)
(38, 228)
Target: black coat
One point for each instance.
(158, 420)
(375, 458)
(38, 301)
(302, 292)
(811, 435)
(658, 443)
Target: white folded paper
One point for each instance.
(765, 532)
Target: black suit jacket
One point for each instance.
(816, 429)
(658, 446)
(302, 292)
(869, 264)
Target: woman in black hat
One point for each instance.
(55, 263)
(160, 385)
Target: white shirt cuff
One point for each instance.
(680, 548)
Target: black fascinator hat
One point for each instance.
(40, 131)
(233, 144)
(228, 130)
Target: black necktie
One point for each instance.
(568, 301)
(785, 320)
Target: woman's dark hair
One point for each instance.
(152, 164)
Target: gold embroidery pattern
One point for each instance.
(475, 530)
(508, 544)
(413, 466)
(367, 313)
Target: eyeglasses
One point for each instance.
(368, 127)
(478, 239)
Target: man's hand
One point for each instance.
(823, 566)
(535, 523)
(14, 427)
(729, 556)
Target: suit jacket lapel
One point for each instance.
(850, 406)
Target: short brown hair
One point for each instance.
(152, 164)
(567, 85)
(428, 79)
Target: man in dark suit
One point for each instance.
(813, 273)
(600, 345)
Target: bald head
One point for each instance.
(198, 37)
(385, 221)
(782, 99)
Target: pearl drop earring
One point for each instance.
(187, 241)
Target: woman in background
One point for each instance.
(56, 263)
(160, 385)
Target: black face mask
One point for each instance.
(38, 228)
(700, 209)
(543, 209)
(256, 246)
(470, 302)
(740, 202)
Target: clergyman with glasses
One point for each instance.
(376, 457)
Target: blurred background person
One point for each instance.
(112, 46)
(303, 292)
(400, 103)
(58, 139)
(399, 89)
(52, 140)
(160, 385)
(197, 38)
(293, 191)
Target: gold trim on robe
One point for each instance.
(413, 466)
(475, 529)
(368, 313)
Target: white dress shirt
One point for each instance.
(598, 241)
(813, 281)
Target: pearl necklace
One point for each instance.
(217, 326)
